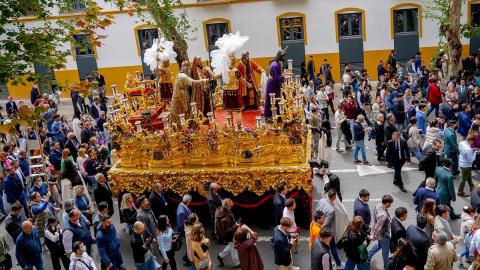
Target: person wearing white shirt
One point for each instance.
(465, 161)
(322, 100)
(339, 119)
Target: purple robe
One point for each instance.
(274, 85)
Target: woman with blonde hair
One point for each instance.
(191, 220)
(82, 203)
(81, 158)
(66, 155)
(129, 212)
(429, 209)
(451, 93)
(200, 244)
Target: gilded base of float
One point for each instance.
(234, 180)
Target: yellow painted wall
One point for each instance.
(116, 75)
(20, 91)
(371, 61)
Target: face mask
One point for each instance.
(84, 249)
(39, 184)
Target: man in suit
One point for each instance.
(441, 223)
(426, 192)
(214, 201)
(447, 109)
(397, 229)
(397, 154)
(475, 197)
(463, 93)
(103, 193)
(101, 82)
(87, 132)
(419, 239)
(282, 246)
(158, 201)
(72, 144)
(389, 127)
(451, 147)
(183, 211)
(279, 202)
(445, 187)
(14, 190)
(429, 161)
(95, 108)
(311, 68)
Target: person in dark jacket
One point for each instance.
(474, 197)
(355, 245)
(103, 193)
(14, 189)
(76, 230)
(399, 112)
(225, 227)
(419, 239)
(320, 256)
(426, 192)
(429, 161)
(404, 255)
(108, 244)
(279, 202)
(381, 69)
(464, 121)
(250, 258)
(447, 109)
(72, 144)
(28, 248)
(361, 208)
(158, 200)
(389, 127)
(34, 94)
(53, 241)
(140, 243)
(397, 230)
(282, 246)
(70, 172)
(397, 154)
(412, 110)
(87, 132)
(214, 201)
(380, 137)
(13, 222)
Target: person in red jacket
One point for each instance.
(434, 97)
(350, 107)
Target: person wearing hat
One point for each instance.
(445, 187)
(451, 146)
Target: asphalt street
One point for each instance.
(377, 179)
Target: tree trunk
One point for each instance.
(164, 22)
(452, 34)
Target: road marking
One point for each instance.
(364, 170)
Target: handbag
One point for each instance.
(204, 249)
(177, 242)
(342, 242)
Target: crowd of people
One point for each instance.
(395, 117)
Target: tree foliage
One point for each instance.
(25, 44)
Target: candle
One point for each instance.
(139, 127)
(297, 89)
(297, 79)
(166, 123)
(125, 121)
(114, 89)
(125, 103)
(211, 120)
(137, 73)
(229, 120)
(280, 106)
(110, 109)
(290, 64)
(194, 107)
(272, 99)
(259, 119)
(182, 118)
(274, 112)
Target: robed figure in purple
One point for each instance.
(274, 83)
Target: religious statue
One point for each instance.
(232, 98)
(250, 95)
(165, 76)
(202, 96)
(274, 83)
(157, 57)
(181, 97)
